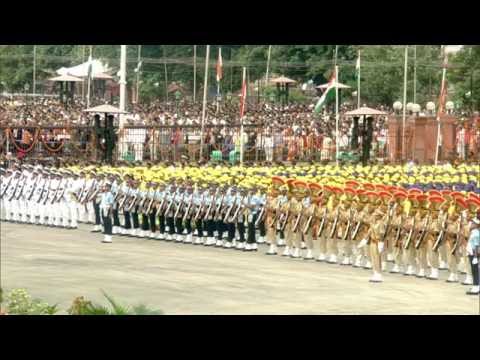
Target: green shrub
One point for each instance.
(19, 302)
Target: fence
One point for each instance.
(163, 143)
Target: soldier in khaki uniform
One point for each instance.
(346, 221)
(360, 229)
(376, 245)
(333, 216)
(293, 210)
(410, 225)
(397, 233)
(438, 217)
(322, 218)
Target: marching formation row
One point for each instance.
(363, 225)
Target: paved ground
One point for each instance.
(58, 265)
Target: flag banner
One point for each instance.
(219, 65)
(243, 96)
(328, 94)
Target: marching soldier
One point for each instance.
(133, 207)
(332, 228)
(252, 204)
(325, 206)
(397, 233)
(159, 208)
(144, 191)
(187, 214)
(375, 236)
(346, 216)
(179, 202)
(106, 205)
(423, 223)
(411, 219)
(282, 204)
(170, 211)
(208, 215)
(271, 217)
(309, 210)
(94, 199)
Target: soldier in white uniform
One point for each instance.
(5, 183)
(32, 183)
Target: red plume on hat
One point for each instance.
(369, 187)
(415, 191)
(461, 203)
(381, 187)
(473, 205)
(434, 193)
(456, 194)
(352, 184)
(436, 202)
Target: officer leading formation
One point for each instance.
(415, 222)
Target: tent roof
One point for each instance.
(68, 78)
(105, 108)
(365, 111)
(283, 80)
(340, 86)
(81, 70)
(102, 76)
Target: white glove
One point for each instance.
(469, 249)
(475, 261)
(362, 243)
(381, 245)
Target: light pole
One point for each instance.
(404, 101)
(34, 88)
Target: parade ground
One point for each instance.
(58, 265)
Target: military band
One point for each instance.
(377, 227)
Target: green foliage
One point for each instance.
(381, 71)
(19, 302)
(81, 306)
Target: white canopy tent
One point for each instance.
(81, 70)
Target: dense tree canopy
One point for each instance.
(381, 68)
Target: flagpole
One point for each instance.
(205, 84)
(218, 80)
(404, 101)
(241, 118)
(440, 106)
(268, 65)
(194, 73)
(415, 74)
(34, 87)
(89, 76)
(138, 73)
(358, 80)
(337, 119)
(83, 82)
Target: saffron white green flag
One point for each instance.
(329, 93)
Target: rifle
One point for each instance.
(149, 207)
(21, 189)
(349, 225)
(54, 196)
(227, 215)
(160, 207)
(179, 207)
(218, 212)
(260, 216)
(6, 187)
(59, 195)
(29, 196)
(322, 223)
(458, 235)
(308, 223)
(423, 232)
(297, 221)
(200, 208)
(410, 235)
(397, 235)
(387, 226)
(335, 222)
(170, 204)
(121, 203)
(188, 209)
(441, 235)
(240, 206)
(282, 222)
(14, 191)
(131, 203)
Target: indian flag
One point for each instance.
(327, 94)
